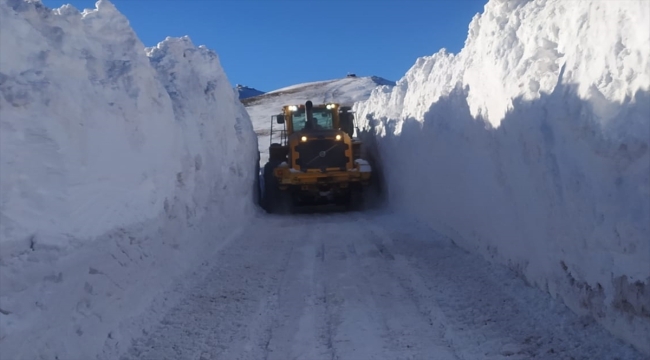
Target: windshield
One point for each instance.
(322, 116)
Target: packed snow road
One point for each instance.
(364, 286)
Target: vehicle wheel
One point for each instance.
(258, 186)
(270, 188)
(355, 200)
(286, 202)
(276, 154)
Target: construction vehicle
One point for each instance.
(317, 161)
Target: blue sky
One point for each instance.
(269, 44)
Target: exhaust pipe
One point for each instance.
(309, 113)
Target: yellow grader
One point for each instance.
(317, 160)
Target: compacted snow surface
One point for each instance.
(531, 147)
(127, 226)
(362, 286)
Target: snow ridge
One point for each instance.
(116, 161)
(531, 147)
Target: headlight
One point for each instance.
(303, 139)
(293, 108)
(338, 137)
(330, 106)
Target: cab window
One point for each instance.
(322, 116)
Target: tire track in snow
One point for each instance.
(293, 317)
(364, 313)
(230, 315)
(272, 306)
(364, 286)
(485, 311)
(407, 333)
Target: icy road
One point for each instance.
(364, 286)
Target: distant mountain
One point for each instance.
(347, 91)
(344, 90)
(246, 92)
(381, 81)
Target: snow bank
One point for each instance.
(119, 167)
(530, 146)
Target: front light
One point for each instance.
(293, 108)
(338, 137)
(303, 139)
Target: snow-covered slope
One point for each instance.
(121, 168)
(531, 146)
(345, 91)
(245, 92)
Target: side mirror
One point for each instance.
(279, 119)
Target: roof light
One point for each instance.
(293, 108)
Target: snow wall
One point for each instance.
(530, 146)
(121, 168)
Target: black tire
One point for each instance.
(274, 200)
(257, 190)
(355, 199)
(286, 202)
(276, 154)
(269, 193)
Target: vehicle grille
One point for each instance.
(310, 154)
